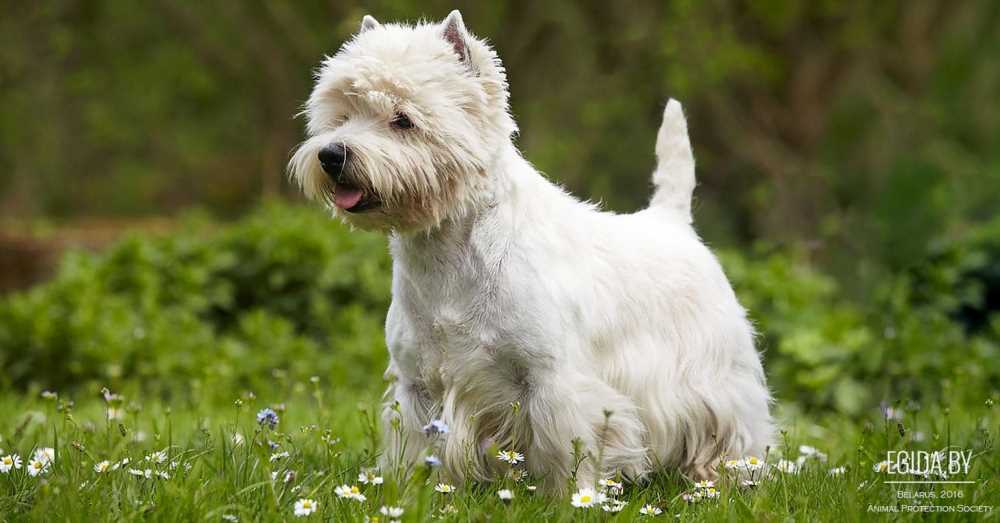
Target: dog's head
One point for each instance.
(403, 124)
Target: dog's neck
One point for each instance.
(437, 247)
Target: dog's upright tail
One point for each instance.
(674, 174)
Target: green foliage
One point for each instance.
(288, 293)
(285, 289)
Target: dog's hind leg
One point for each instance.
(571, 406)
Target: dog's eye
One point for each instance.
(401, 121)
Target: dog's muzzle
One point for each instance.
(347, 195)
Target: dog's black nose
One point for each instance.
(332, 158)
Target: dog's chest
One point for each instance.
(453, 324)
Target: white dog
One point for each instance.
(520, 315)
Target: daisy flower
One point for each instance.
(510, 456)
(505, 495)
(692, 497)
(278, 455)
(788, 467)
(46, 455)
(752, 463)
(882, 466)
(710, 493)
(102, 467)
(650, 510)
(610, 485)
(436, 427)
(614, 505)
(812, 452)
(36, 467)
(837, 471)
(349, 492)
(10, 461)
(392, 512)
(586, 498)
(444, 488)
(733, 464)
(304, 507)
(158, 457)
(369, 477)
(748, 483)
(704, 484)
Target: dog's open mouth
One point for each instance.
(351, 198)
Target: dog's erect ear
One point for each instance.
(368, 23)
(454, 32)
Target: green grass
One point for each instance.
(331, 438)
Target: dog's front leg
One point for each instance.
(404, 415)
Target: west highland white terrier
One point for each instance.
(521, 317)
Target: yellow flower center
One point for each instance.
(355, 490)
(584, 499)
(307, 504)
(7, 461)
(37, 464)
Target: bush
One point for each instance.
(286, 288)
(289, 293)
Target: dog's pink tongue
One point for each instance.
(345, 197)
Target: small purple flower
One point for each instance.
(435, 427)
(267, 417)
(432, 461)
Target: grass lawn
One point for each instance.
(324, 440)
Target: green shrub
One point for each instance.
(288, 293)
(286, 288)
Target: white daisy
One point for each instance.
(279, 455)
(392, 512)
(704, 484)
(444, 488)
(733, 464)
(748, 483)
(881, 466)
(367, 477)
(46, 455)
(120, 464)
(587, 497)
(837, 471)
(10, 461)
(36, 467)
(505, 495)
(650, 510)
(349, 492)
(788, 467)
(692, 497)
(158, 457)
(752, 463)
(510, 456)
(102, 467)
(710, 493)
(613, 505)
(611, 486)
(304, 507)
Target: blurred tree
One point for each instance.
(861, 129)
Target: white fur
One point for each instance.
(508, 291)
